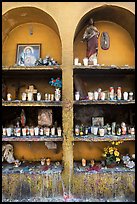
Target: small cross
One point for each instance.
(31, 89)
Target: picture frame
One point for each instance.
(97, 121)
(45, 117)
(27, 54)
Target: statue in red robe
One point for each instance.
(91, 35)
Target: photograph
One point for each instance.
(27, 54)
(97, 121)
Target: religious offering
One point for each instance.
(45, 117)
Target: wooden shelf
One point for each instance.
(32, 103)
(32, 138)
(101, 67)
(100, 102)
(106, 138)
(35, 68)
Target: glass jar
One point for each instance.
(119, 93)
(77, 96)
(130, 96)
(77, 131)
(113, 128)
(111, 93)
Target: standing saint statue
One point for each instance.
(91, 35)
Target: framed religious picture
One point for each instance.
(97, 121)
(45, 117)
(105, 41)
(27, 54)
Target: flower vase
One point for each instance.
(57, 94)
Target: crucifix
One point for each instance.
(30, 91)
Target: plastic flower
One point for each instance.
(116, 153)
(111, 153)
(56, 82)
(117, 159)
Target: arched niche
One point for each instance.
(120, 25)
(27, 25)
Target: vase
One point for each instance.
(57, 94)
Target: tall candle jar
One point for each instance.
(4, 133)
(9, 131)
(38, 96)
(30, 96)
(24, 131)
(8, 97)
(36, 131)
(125, 96)
(83, 162)
(77, 96)
(119, 93)
(59, 131)
(130, 96)
(53, 131)
(24, 96)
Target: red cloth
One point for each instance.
(92, 46)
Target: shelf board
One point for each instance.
(32, 138)
(31, 168)
(33, 68)
(106, 138)
(101, 67)
(115, 102)
(32, 103)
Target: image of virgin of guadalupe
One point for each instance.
(91, 35)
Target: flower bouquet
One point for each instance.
(112, 155)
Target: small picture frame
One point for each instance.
(97, 121)
(45, 117)
(27, 54)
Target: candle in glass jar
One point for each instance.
(130, 96)
(53, 131)
(24, 131)
(32, 131)
(30, 96)
(18, 132)
(83, 162)
(24, 96)
(8, 97)
(38, 96)
(119, 93)
(43, 161)
(36, 130)
(4, 131)
(77, 96)
(48, 160)
(59, 131)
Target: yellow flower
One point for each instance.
(113, 143)
(105, 149)
(111, 152)
(116, 153)
(110, 149)
(117, 159)
(104, 155)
